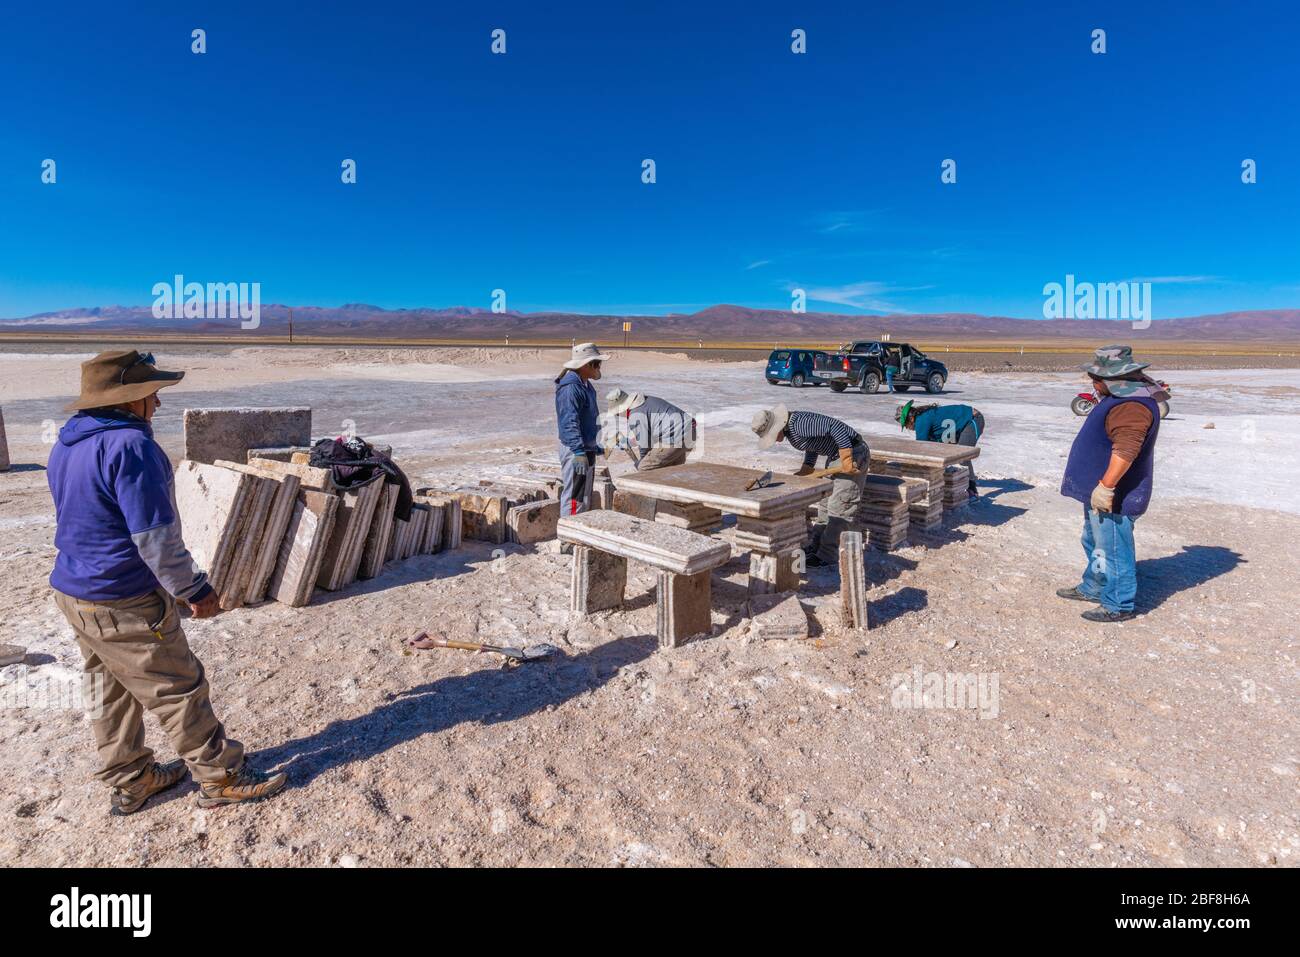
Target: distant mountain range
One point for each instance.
(717, 323)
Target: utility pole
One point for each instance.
(291, 327)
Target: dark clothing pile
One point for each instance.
(354, 462)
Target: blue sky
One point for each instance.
(774, 170)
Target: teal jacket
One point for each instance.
(945, 423)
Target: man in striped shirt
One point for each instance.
(815, 434)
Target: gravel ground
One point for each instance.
(1167, 740)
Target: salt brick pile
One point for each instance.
(277, 527)
(884, 513)
(925, 512)
(956, 486)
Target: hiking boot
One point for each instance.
(243, 785)
(1102, 615)
(1074, 595)
(134, 794)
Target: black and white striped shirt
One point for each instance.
(815, 434)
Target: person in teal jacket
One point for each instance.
(953, 424)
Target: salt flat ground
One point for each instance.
(1167, 740)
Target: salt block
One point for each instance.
(234, 588)
(212, 434)
(483, 513)
(302, 551)
(774, 573)
(629, 503)
(598, 580)
(381, 527)
(4, 445)
(853, 582)
(682, 605)
(533, 522)
(780, 617)
(283, 454)
(12, 655)
(211, 502)
(433, 534)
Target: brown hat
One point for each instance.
(112, 378)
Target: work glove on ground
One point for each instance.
(1103, 499)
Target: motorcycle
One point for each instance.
(1084, 402)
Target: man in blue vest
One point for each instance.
(1110, 471)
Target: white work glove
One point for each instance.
(580, 465)
(1103, 499)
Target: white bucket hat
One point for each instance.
(584, 353)
(620, 401)
(768, 423)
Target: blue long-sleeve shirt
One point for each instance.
(577, 413)
(118, 534)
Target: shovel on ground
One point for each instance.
(423, 642)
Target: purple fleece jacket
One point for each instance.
(118, 533)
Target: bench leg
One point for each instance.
(683, 607)
(598, 580)
(773, 573)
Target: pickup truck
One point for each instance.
(862, 366)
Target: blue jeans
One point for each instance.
(1111, 573)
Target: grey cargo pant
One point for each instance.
(575, 496)
(841, 509)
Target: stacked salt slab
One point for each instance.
(533, 522)
(883, 512)
(223, 513)
(408, 536)
(449, 526)
(688, 515)
(278, 515)
(311, 525)
(956, 486)
(484, 509)
(375, 552)
(925, 513)
(356, 508)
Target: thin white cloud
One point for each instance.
(757, 263)
(858, 295)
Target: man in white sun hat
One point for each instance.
(577, 415)
(653, 431)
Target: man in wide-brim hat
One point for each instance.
(1110, 470)
(655, 433)
(121, 566)
(577, 416)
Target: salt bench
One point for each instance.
(604, 541)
